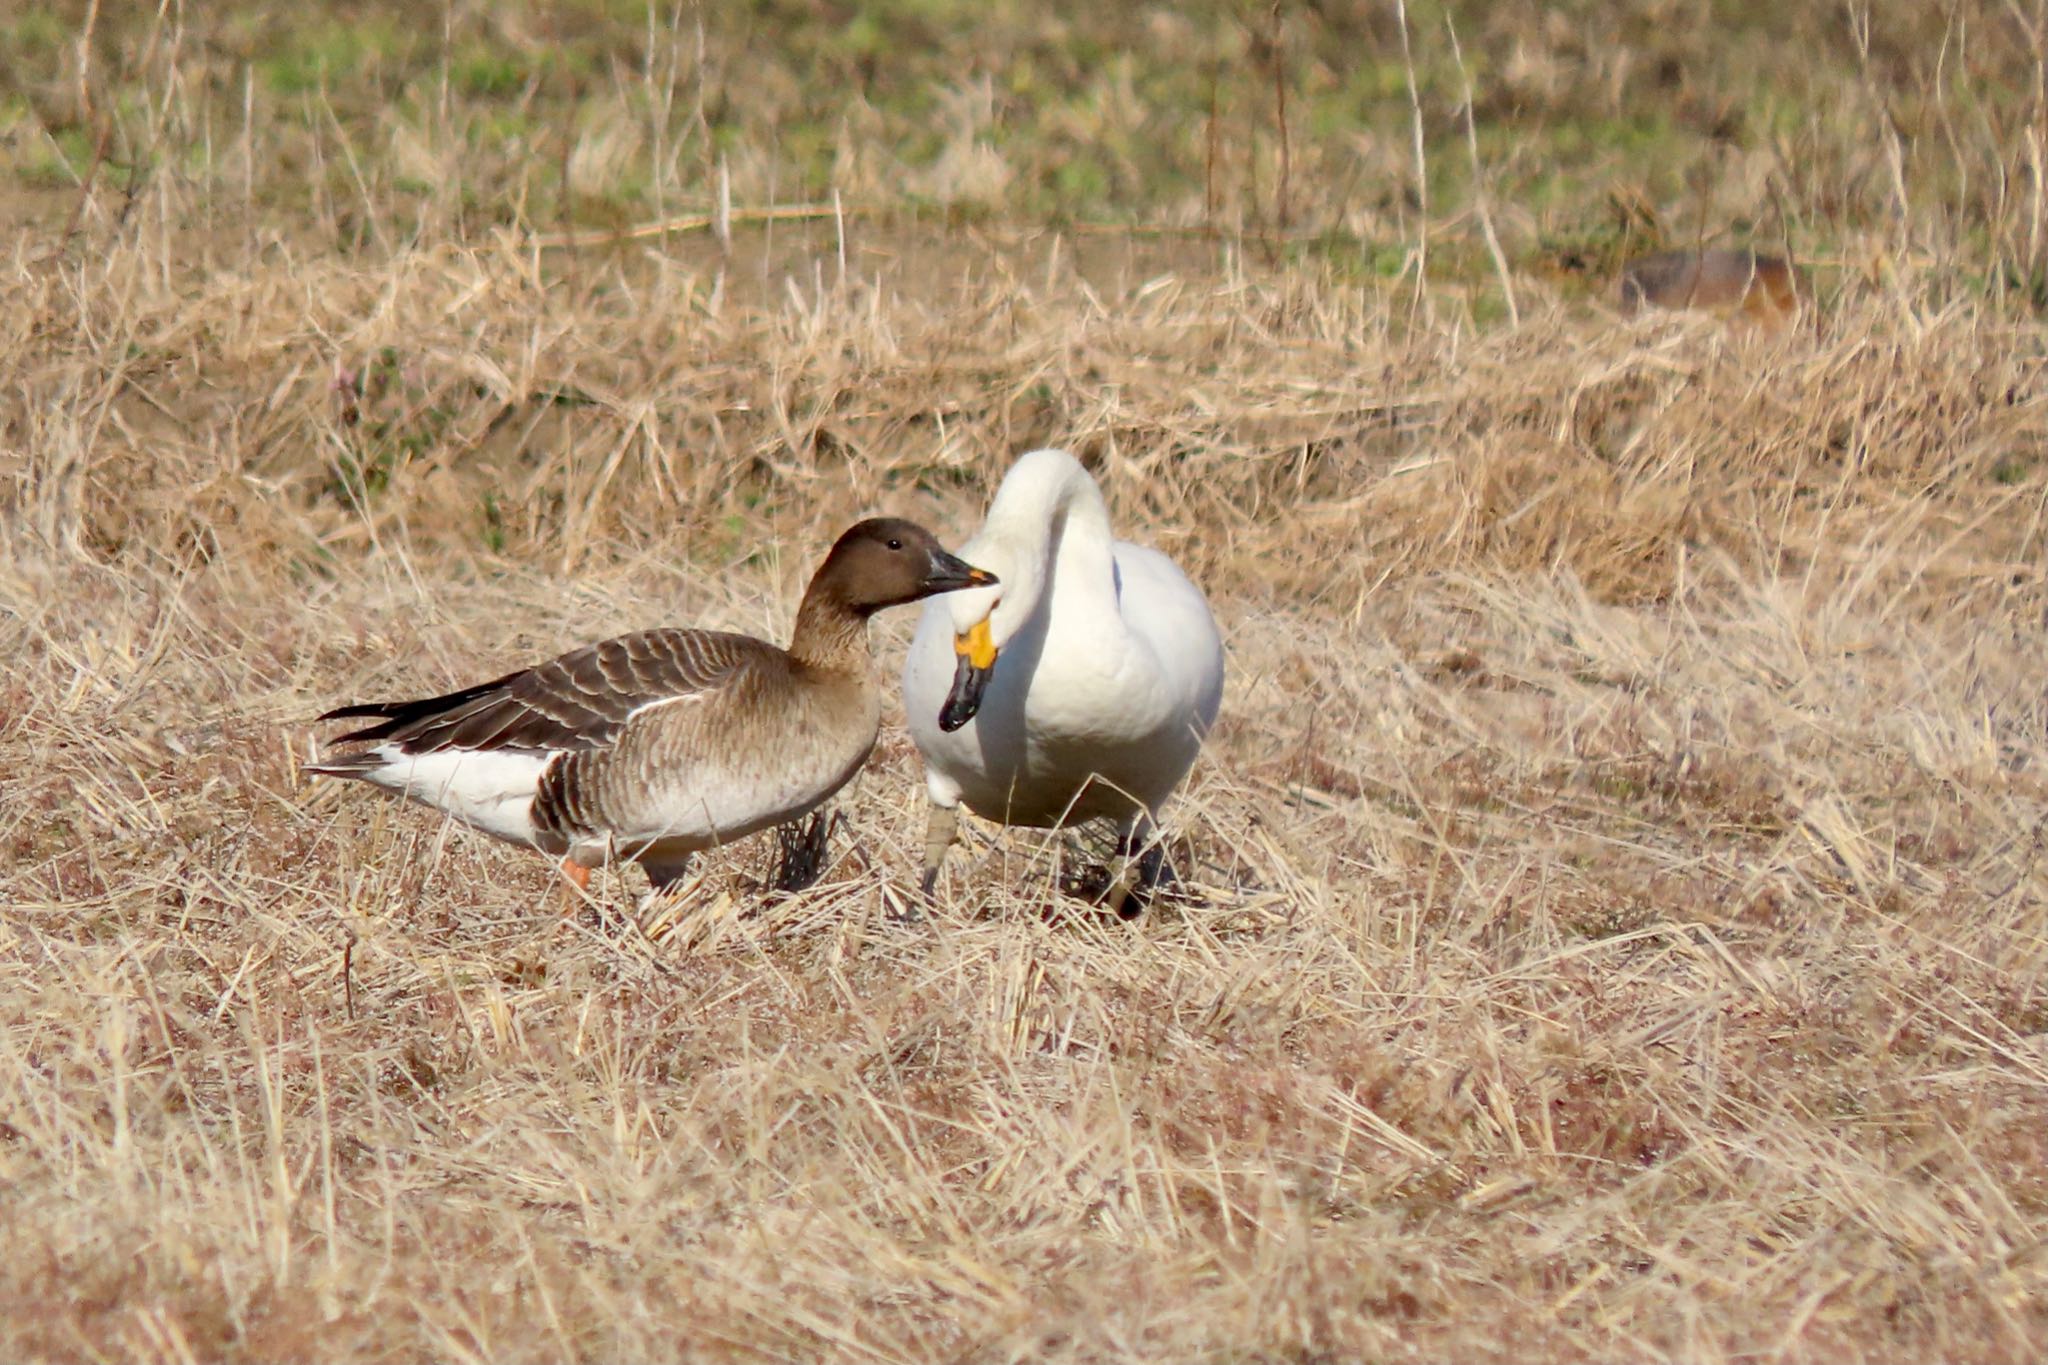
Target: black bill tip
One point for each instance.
(950, 573)
(964, 699)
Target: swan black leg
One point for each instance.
(942, 823)
(1139, 861)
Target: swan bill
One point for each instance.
(973, 665)
(976, 644)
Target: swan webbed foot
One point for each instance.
(907, 914)
(1125, 899)
(1130, 890)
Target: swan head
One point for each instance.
(986, 619)
(1025, 523)
(980, 630)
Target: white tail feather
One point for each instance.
(492, 790)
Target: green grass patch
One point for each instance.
(488, 73)
(333, 53)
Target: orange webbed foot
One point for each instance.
(575, 879)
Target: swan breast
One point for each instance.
(1096, 706)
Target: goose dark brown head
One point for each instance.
(886, 562)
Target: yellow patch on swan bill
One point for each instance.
(976, 646)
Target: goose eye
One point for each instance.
(895, 544)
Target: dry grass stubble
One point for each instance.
(1615, 915)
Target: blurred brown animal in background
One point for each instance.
(1737, 283)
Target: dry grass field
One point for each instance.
(1614, 906)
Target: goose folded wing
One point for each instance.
(579, 701)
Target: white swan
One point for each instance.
(1081, 686)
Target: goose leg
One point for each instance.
(662, 876)
(801, 851)
(942, 823)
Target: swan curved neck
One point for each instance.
(1052, 520)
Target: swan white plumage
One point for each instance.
(1080, 687)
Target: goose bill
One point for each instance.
(950, 573)
(974, 662)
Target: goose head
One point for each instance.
(887, 561)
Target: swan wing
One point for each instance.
(1162, 607)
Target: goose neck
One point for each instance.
(829, 634)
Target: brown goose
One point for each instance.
(1765, 290)
(657, 744)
